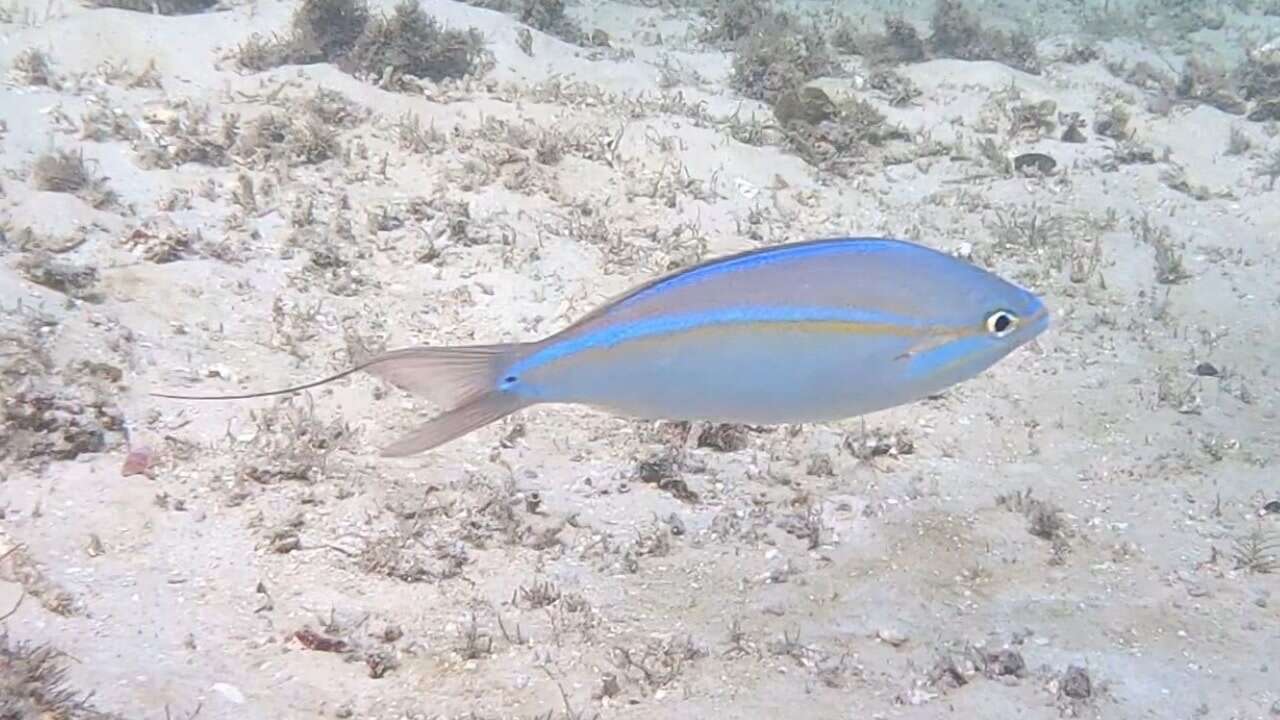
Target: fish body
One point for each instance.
(800, 333)
(805, 332)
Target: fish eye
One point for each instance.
(1001, 323)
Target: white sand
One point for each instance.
(1154, 488)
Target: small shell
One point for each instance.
(160, 115)
(138, 462)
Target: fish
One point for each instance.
(810, 331)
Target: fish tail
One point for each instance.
(447, 376)
(486, 408)
(468, 381)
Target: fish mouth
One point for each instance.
(1037, 323)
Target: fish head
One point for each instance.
(968, 319)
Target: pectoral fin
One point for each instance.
(930, 341)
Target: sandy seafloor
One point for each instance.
(885, 567)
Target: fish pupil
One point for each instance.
(1002, 323)
(509, 380)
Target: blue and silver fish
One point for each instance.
(799, 333)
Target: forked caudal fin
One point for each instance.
(464, 380)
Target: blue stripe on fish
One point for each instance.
(761, 256)
(841, 319)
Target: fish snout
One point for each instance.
(1038, 322)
